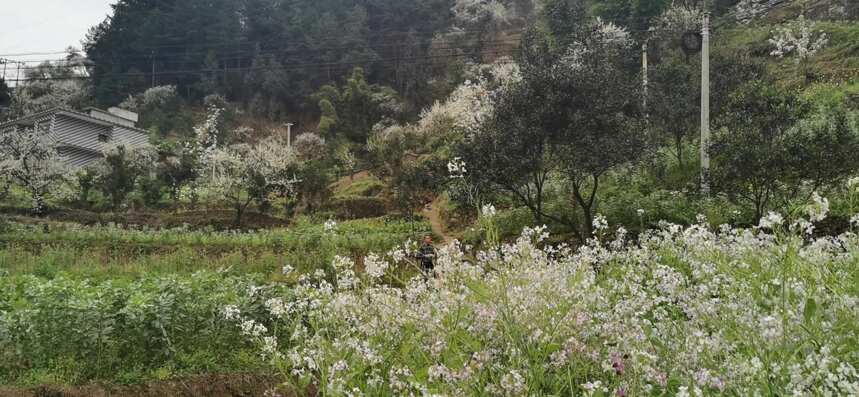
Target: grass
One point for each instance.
(111, 252)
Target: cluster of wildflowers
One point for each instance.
(681, 311)
(488, 211)
(330, 226)
(456, 168)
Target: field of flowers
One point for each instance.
(685, 311)
(680, 312)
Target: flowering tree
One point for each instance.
(29, 158)
(747, 11)
(157, 106)
(51, 85)
(239, 174)
(208, 133)
(231, 178)
(309, 146)
(277, 165)
(798, 39)
(179, 166)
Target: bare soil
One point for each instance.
(433, 213)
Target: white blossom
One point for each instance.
(600, 223)
(29, 158)
(772, 220)
(797, 38)
(330, 226)
(488, 211)
(818, 209)
(456, 168)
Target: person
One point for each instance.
(426, 254)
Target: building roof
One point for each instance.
(71, 113)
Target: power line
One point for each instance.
(499, 51)
(445, 45)
(304, 39)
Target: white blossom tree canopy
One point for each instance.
(29, 158)
(799, 39)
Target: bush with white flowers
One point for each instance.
(680, 311)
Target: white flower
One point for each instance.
(339, 366)
(330, 226)
(375, 266)
(488, 211)
(592, 387)
(855, 221)
(600, 223)
(797, 38)
(276, 307)
(853, 183)
(269, 346)
(456, 168)
(640, 212)
(513, 383)
(231, 312)
(772, 220)
(253, 328)
(286, 270)
(818, 209)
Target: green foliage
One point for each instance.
(120, 170)
(634, 14)
(357, 207)
(81, 330)
(266, 54)
(571, 100)
(771, 145)
(5, 95)
(350, 112)
(151, 190)
(111, 252)
(86, 180)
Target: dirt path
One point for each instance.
(433, 214)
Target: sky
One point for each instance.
(47, 26)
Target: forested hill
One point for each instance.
(275, 53)
(273, 58)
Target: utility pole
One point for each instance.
(289, 134)
(644, 72)
(153, 69)
(705, 105)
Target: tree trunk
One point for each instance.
(237, 222)
(38, 205)
(587, 206)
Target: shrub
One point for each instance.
(356, 207)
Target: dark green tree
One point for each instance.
(5, 94)
(752, 159)
(673, 103)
